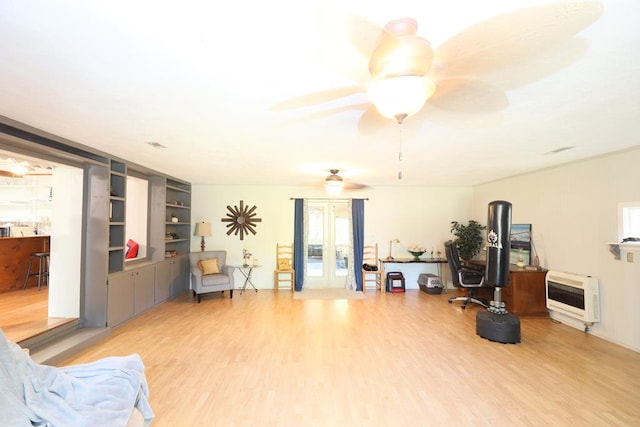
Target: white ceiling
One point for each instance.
(205, 79)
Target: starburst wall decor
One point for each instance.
(241, 220)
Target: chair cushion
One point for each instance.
(209, 266)
(284, 264)
(214, 279)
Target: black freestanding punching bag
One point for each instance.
(498, 237)
(496, 324)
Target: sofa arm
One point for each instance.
(196, 283)
(228, 271)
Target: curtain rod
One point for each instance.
(327, 198)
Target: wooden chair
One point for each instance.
(370, 257)
(284, 266)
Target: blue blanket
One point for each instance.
(101, 393)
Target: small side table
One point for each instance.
(246, 272)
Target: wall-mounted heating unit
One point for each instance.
(573, 295)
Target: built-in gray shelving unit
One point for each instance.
(178, 218)
(117, 206)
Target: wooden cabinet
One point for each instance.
(525, 295)
(120, 293)
(163, 280)
(138, 285)
(15, 253)
(181, 276)
(143, 283)
(172, 277)
(129, 293)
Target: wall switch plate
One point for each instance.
(629, 256)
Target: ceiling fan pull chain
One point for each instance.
(400, 153)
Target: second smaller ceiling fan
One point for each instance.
(334, 184)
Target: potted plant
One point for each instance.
(468, 238)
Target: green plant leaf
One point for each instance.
(468, 238)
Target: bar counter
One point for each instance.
(15, 253)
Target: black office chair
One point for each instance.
(464, 276)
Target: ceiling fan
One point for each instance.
(334, 184)
(469, 73)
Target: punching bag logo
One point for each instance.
(494, 240)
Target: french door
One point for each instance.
(327, 244)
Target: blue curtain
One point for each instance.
(298, 243)
(357, 214)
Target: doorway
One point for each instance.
(328, 243)
(49, 204)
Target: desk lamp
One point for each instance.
(391, 242)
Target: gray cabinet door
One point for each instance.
(143, 278)
(164, 279)
(180, 275)
(119, 298)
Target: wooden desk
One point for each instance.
(384, 261)
(525, 295)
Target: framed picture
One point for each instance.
(520, 244)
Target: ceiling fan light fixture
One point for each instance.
(334, 184)
(19, 169)
(400, 96)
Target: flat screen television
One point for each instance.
(520, 244)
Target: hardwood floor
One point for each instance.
(412, 359)
(24, 314)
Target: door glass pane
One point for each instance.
(316, 239)
(341, 240)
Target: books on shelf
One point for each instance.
(170, 254)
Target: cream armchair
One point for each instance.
(209, 273)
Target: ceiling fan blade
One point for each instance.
(513, 38)
(468, 96)
(365, 35)
(346, 43)
(328, 112)
(540, 66)
(354, 186)
(372, 121)
(320, 97)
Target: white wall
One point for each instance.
(66, 243)
(414, 215)
(136, 214)
(573, 211)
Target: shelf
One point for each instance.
(172, 187)
(117, 207)
(175, 241)
(177, 204)
(614, 248)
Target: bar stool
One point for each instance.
(42, 258)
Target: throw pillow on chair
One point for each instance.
(209, 266)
